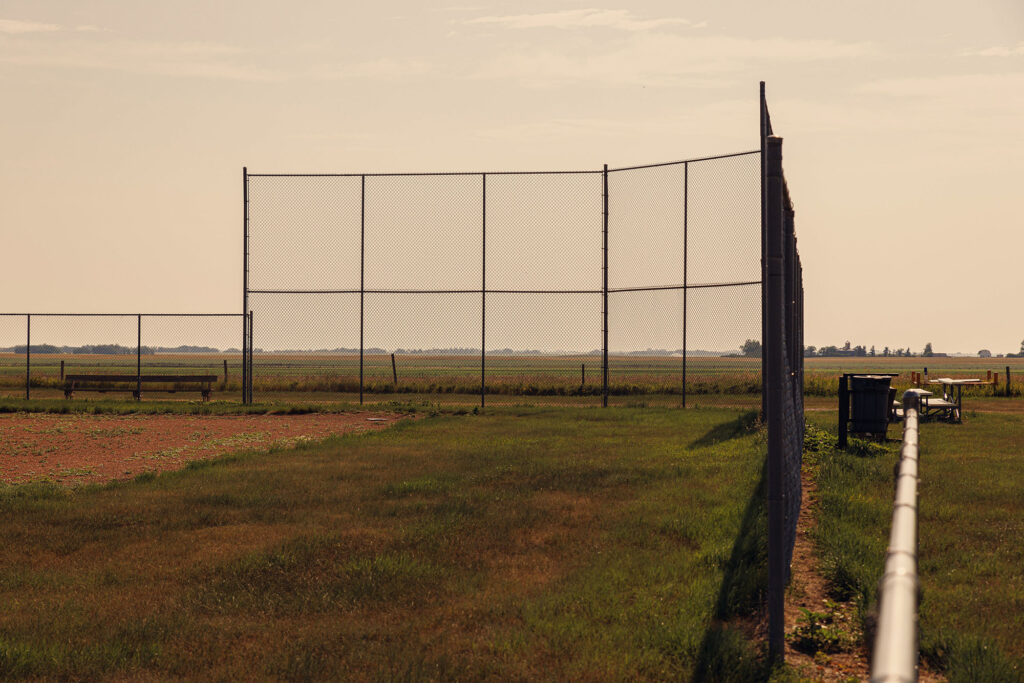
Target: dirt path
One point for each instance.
(79, 448)
(808, 590)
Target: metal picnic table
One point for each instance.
(948, 407)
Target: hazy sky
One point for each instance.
(125, 126)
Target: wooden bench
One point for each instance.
(73, 383)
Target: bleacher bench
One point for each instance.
(105, 383)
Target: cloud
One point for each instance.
(997, 51)
(619, 19)
(13, 26)
(212, 61)
(656, 59)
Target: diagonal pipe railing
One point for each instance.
(894, 657)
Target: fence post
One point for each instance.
(765, 132)
(362, 274)
(686, 219)
(394, 371)
(774, 353)
(28, 356)
(225, 372)
(844, 409)
(62, 371)
(604, 293)
(245, 285)
(138, 361)
(1007, 380)
(251, 353)
(483, 293)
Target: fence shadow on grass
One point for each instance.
(727, 430)
(725, 653)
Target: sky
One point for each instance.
(125, 127)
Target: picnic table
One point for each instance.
(950, 406)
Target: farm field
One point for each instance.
(449, 546)
(448, 378)
(971, 537)
(575, 380)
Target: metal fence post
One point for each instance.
(773, 351)
(138, 361)
(765, 131)
(362, 276)
(245, 284)
(686, 218)
(483, 294)
(28, 356)
(604, 293)
(251, 353)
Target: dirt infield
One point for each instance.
(74, 448)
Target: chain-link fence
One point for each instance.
(784, 376)
(626, 285)
(53, 355)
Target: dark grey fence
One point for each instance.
(46, 355)
(784, 376)
(601, 286)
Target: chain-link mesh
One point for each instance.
(503, 287)
(163, 355)
(13, 336)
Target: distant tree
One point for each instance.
(859, 351)
(928, 353)
(984, 353)
(846, 347)
(872, 351)
(885, 352)
(809, 350)
(751, 347)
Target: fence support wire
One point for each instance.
(894, 658)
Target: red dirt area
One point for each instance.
(78, 448)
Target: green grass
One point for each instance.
(514, 544)
(971, 547)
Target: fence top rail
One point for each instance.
(492, 173)
(611, 290)
(129, 315)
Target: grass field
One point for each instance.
(520, 543)
(971, 547)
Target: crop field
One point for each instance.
(452, 378)
(655, 380)
(516, 544)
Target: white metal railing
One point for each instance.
(895, 654)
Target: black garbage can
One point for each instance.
(869, 404)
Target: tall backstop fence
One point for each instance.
(784, 375)
(594, 287)
(48, 355)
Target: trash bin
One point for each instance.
(869, 404)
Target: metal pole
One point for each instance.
(138, 362)
(895, 654)
(686, 218)
(245, 358)
(28, 355)
(773, 352)
(362, 274)
(245, 284)
(483, 295)
(604, 294)
(764, 275)
(251, 353)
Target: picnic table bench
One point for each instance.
(948, 407)
(105, 383)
